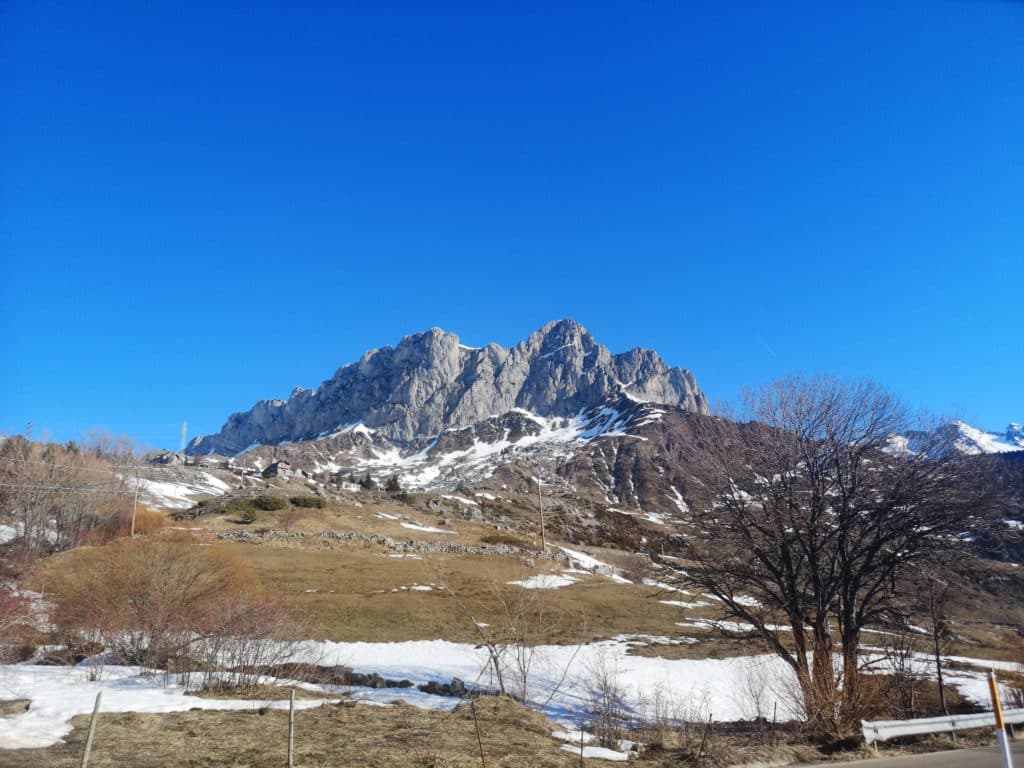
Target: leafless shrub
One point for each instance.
(608, 715)
(171, 605)
(901, 676)
(638, 567)
(514, 641)
(1015, 679)
(683, 727)
(16, 623)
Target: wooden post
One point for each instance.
(997, 710)
(540, 500)
(291, 729)
(479, 739)
(135, 506)
(92, 730)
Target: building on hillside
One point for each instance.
(278, 469)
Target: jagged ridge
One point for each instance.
(430, 383)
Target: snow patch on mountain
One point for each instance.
(430, 467)
(972, 441)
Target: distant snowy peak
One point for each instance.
(430, 382)
(973, 441)
(962, 438)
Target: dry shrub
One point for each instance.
(16, 624)
(114, 521)
(638, 567)
(1015, 679)
(681, 728)
(609, 715)
(169, 604)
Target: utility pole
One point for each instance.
(135, 506)
(184, 433)
(540, 501)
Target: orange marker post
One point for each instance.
(997, 710)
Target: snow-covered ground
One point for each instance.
(426, 529)
(545, 581)
(174, 494)
(8, 533)
(560, 682)
(60, 693)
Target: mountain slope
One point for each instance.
(430, 383)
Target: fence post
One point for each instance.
(92, 730)
(291, 729)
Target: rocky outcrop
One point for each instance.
(430, 382)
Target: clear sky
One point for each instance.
(205, 204)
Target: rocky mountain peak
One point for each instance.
(430, 382)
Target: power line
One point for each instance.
(63, 488)
(57, 466)
(143, 467)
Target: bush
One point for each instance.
(307, 501)
(168, 604)
(16, 624)
(116, 523)
(269, 503)
(243, 508)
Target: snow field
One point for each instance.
(60, 693)
(560, 683)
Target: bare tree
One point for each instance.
(937, 597)
(53, 494)
(813, 514)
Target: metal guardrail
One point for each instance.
(883, 730)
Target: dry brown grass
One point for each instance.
(363, 606)
(341, 736)
(263, 692)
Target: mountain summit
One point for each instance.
(430, 382)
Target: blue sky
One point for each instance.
(204, 204)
